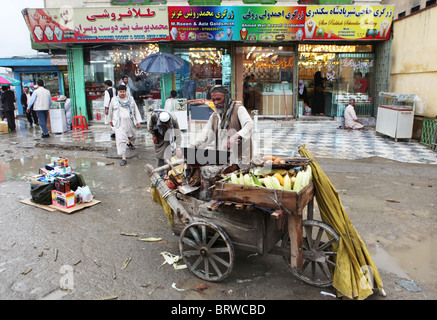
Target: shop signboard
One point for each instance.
(348, 22)
(276, 23)
(236, 23)
(79, 25)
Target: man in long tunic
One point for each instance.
(167, 138)
(230, 127)
(350, 117)
(124, 116)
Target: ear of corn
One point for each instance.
(247, 180)
(298, 183)
(280, 178)
(275, 183)
(234, 179)
(268, 183)
(287, 182)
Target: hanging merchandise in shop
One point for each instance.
(78, 25)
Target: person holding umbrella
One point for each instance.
(8, 100)
(124, 116)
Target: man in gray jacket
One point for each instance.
(41, 101)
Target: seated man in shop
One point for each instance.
(229, 127)
(350, 117)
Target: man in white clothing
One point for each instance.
(127, 82)
(230, 127)
(124, 116)
(110, 92)
(350, 117)
(171, 102)
(41, 101)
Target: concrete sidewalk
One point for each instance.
(323, 139)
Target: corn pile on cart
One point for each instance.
(253, 219)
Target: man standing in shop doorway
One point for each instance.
(230, 127)
(41, 101)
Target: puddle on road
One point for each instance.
(416, 262)
(22, 169)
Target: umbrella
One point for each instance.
(5, 80)
(161, 62)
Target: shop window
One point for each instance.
(51, 81)
(113, 62)
(204, 2)
(264, 79)
(415, 9)
(259, 1)
(347, 71)
(144, 2)
(206, 67)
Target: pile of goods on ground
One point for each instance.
(56, 184)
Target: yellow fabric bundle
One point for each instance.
(354, 266)
(156, 196)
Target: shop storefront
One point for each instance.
(112, 63)
(51, 69)
(260, 52)
(347, 72)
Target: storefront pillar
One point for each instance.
(166, 79)
(76, 80)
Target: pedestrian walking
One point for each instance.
(125, 81)
(110, 92)
(8, 102)
(124, 116)
(41, 102)
(32, 117)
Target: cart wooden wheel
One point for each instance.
(318, 243)
(207, 250)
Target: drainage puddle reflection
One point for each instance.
(22, 169)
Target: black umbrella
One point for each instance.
(161, 62)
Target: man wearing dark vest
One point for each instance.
(230, 127)
(110, 92)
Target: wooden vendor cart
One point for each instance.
(252, 219)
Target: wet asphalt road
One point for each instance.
(87, 251)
